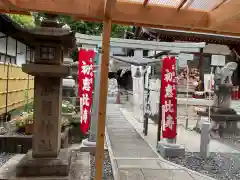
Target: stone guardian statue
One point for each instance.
(221, 108)
(223, 88)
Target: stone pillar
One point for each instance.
(205, 139)
(138, 88)
(94, 117)
(47, 114)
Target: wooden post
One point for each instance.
(107, 27)
(200, 64)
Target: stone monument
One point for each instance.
(68, 90)
(69, 85)
(52, 44)
(74, 73)
(224, 118)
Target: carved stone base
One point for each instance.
(79, 169)
(171, 149)
(225, 111)
(227, 123)
(221, 117)
(30, 166)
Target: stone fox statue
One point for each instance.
(227, 71)
(223, 87)
(222, 97)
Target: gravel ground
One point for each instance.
(221, 166)
(4, 157)
(107, 172)
(10, 131)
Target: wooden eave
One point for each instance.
(170, 35)
(29, 36)
(14, 30)
(220, 18)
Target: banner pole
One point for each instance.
(210, 91)
(186, 125)
(159, 119)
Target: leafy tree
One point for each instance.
(118, 30)
(74, 55)
(84, 27)
(23, 20)
(38, 18)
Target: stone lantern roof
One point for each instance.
(49, 38)
(52, 31)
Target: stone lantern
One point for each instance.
(52, 43)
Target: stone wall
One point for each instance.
(22, 144)
(10, 144)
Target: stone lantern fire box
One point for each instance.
(52, 44)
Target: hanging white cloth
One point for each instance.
(154, 96)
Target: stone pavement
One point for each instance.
(190, 139)
(133, 157)
(188, 111)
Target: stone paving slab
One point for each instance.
(124, 139)
(166, 174)
(144, 163)
(154, 174)
(131, 174)
(197, 176)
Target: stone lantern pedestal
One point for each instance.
(46, 158)
(52, 44)
(39, 167)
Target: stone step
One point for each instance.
(160, 174)
(79, 170)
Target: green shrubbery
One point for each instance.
(67, 107)
(24, 119)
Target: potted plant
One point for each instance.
(67, 110)
(29, 123)
(20, 124)
(67, 107)
(76, 135)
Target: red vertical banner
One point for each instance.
(85, 86)
(169, 98)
